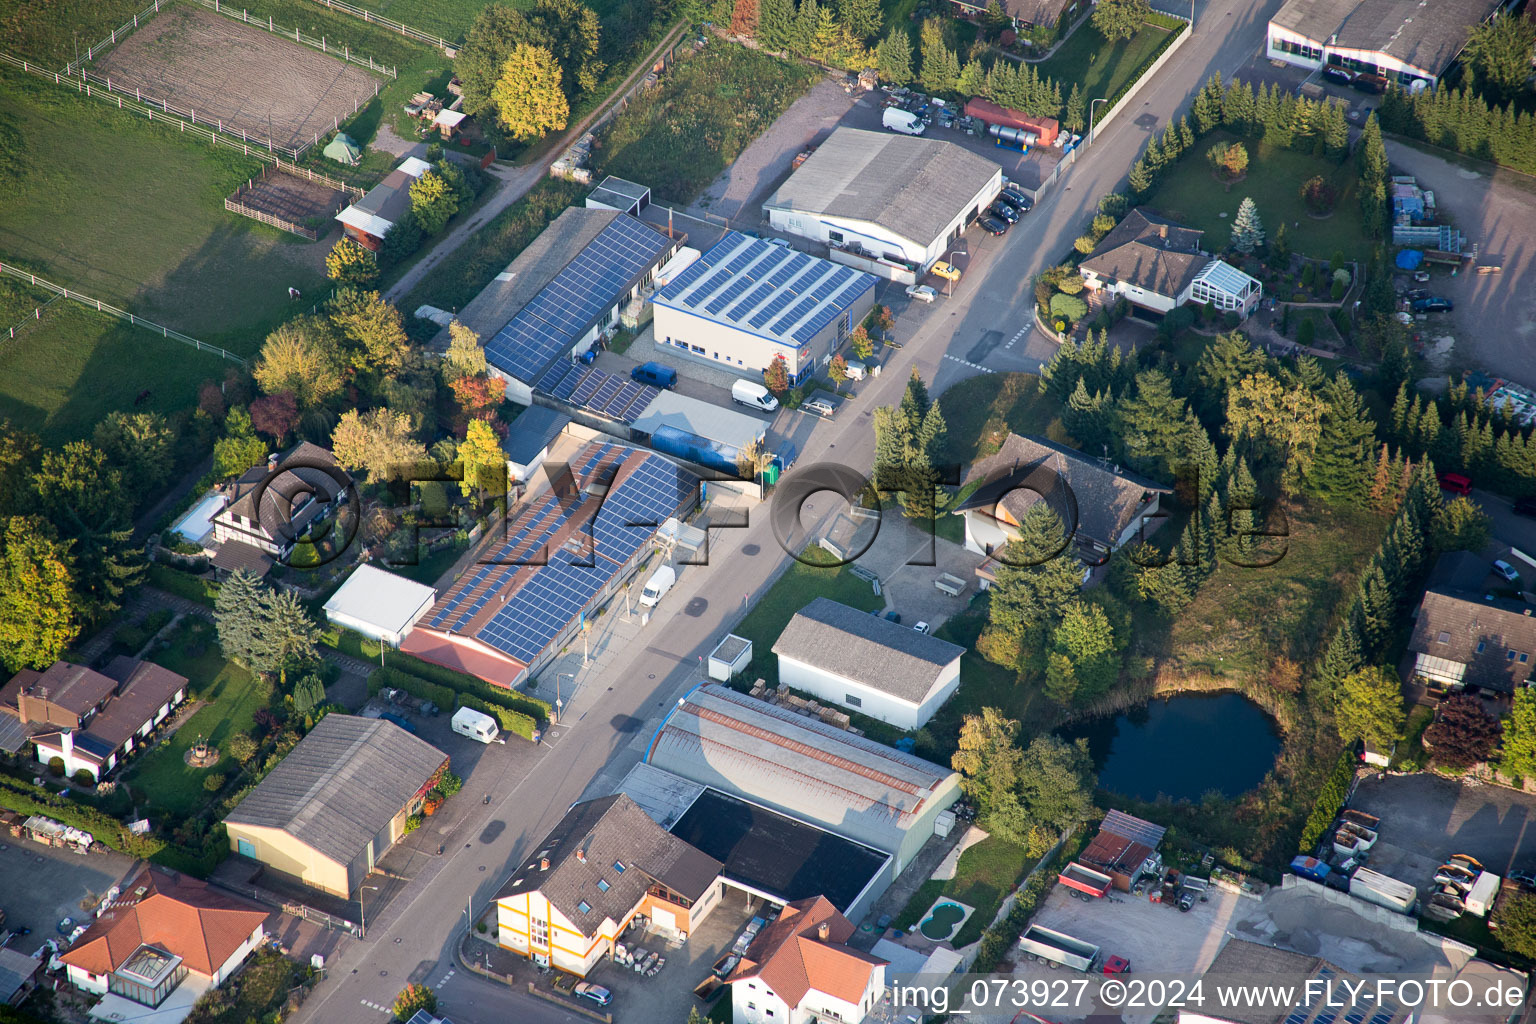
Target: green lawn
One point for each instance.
(985, 875)
(710, 106)
(131, 212)
(799, 586)
(1089, 60)
(447, 18)
(1189, 194)
(232, 697)
(53, 31)
(259, 989)
(981, 411)
(61, 376)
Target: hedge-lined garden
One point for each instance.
(515, 712)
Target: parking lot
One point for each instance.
(1425, 819)
(42, 885)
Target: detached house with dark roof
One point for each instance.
(1463, 639)
(161, 943)
(329, 812)
(91, 721)
(1158, 266)
(603, 864)
(867, 663)
(800, 969)
(1101, 506)
(294, 492)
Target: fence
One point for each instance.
(121, 314)
(234, 205)
(37, 315)
(111, 40)
(389, 23)
(345, 53)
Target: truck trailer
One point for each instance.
(1087, 883)
(1053, 947)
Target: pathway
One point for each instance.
(516, 181)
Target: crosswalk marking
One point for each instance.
(376, 1006)
(1022, 331)
(444, 979)
(967, 362)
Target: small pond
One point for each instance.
(1182, 747)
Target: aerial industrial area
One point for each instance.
(767, 511)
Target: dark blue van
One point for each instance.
(655, 374)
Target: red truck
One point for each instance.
(1087, 883)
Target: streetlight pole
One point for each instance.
(362, 910)
(1091, 124)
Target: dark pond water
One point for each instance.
(1183, 747)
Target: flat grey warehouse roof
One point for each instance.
(866, 648)
(1409, 30)
(912, 187)
(342, 784)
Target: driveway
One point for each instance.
(1429, 818)
(1495, 318)
(42, 885)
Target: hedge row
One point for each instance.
(351, 642)
(182, 584)
(1176, 27)
(511, 721)
(442, 696)
(1329, 801)
(459, 682)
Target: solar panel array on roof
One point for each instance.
(784, 295)
(590, 388)
(570, 304)
(538, 591)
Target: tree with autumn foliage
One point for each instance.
(776, 377)
(1462, 734)
(478, 395)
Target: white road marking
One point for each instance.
(967, 362)
(376, 1006)
(1022, 331)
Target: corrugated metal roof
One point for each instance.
(1132, 828)
(867, 649)
(767, 753)
(342, 784)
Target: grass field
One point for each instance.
(981, 411)
(61, 376)
(231, 695)
(710, 106)
(983, 878)
(799, 586)
(53, 32)
(1087, 59)
(1188, 193)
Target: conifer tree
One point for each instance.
(1343, 448)
(893, 57)
(1247, 229)
(1074, 120)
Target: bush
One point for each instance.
(1319, 196)
(1307, 332)
(1175, 321)
(480, 927)
(56, 766)
(1309, 275)
(239, 748)
(1335, 791)
(213, 783)
(413, 823)
(82, 777)
(1337, 291)
(1068, 307)
(1231, 321)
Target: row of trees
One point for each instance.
(1461, 432)
(1460, 120)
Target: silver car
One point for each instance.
(921, 292)
(820, 406)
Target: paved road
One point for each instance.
(950, 340)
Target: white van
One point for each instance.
(477, 726)
(904, 121)
(657, 586)
(856, 370)
(753, 396)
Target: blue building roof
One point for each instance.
(572, 303)
(532, 432)
(767, 290)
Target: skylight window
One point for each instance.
(584, 907)
(602, 885)
(618, 867)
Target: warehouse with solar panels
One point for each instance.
(745, 301)
(573, 543)
(561, 294)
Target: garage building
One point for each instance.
(768, 755)
(1409, 44)
(746, 301)
(329, 812)
(893, 196)
(379, 604)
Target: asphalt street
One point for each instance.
(976, 330)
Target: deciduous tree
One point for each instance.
(1517, 754)
(372, 331)
(38, 618)
(432, 201)
(275, 415)
(465, 355)
(1120, 19)
(776, 376)
(379, 442)
(483, 461)
(300, 357)
(528, 98)
(142, 445)
(350, 265)
(1462, 734)
(1369, 707)
(239, 449)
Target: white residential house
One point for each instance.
(1159, 266)
(296, 490)
(800, 970)
(868, 664)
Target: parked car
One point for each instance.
(587, 990)
(1015, 196)
(655, 374)
(1370, 83)
(1002, 211)
(1433, 304)
(1339, 75)
(922, 627)
(1525, 507)
(820, 406)
(1455, 483)
(1404, 318)
(945, 270)
(1421, 276)
(893, 616)
(1509, 572)
(390, 716)
(921, 292)
(780, 242)
(993, 226)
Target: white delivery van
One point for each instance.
(657, 586)
(904, 121)
(753, 396)
(477, 726)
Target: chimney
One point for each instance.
(272, 461)
(581, 855)
(67, 748)
(543, 863)
(823, 931)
